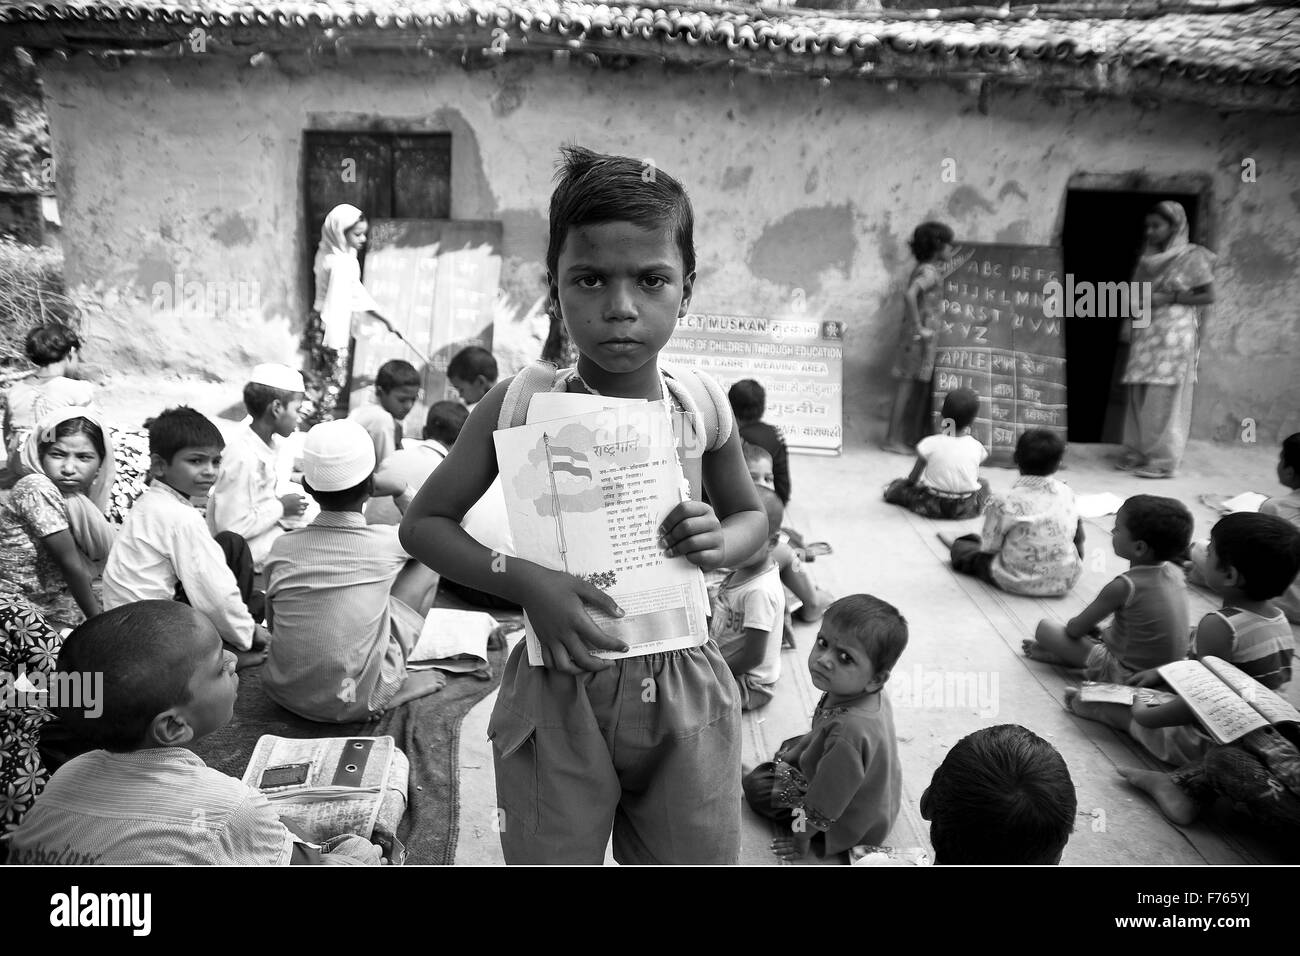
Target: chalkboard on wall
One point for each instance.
(995, 339)
(436, 281)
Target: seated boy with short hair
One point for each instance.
(748, 402)
(397, 388)
(472, 372)
(163, 681)
(1002, 796)
(164, 550)
(1032, 542)
(414, 462)
(945, 481)
(749, 616)
(244, 498)
(346, 601)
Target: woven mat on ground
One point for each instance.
(427, 730)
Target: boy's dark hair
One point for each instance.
(927, 238)
(754, 452)
(1003, 795)
(1164, 524)
(876, 625)
(396, 373)
(471, 362)
(772, 505)
(593, 188)
(1039, 451)
(1263, 549)
(181, 427)
(341, 500)
(1291, 452)
(140, 656)
(47, 344)
(444, 422)
(961, 405)
(258, 398)
(748, 400)
(75, 426)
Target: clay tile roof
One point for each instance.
(1202, 42)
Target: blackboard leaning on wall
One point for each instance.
(994, 338)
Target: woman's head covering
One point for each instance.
(333, 241)
(86, 513)
(1155, 264)
(1174, 214)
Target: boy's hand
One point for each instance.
(261, 637)
(1147, 678)
(565, 630)
(694, 531)
(294, 504)
(794, 847)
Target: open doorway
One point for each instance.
(1101, 240)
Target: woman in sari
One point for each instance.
(1161, 366)
(339, 293)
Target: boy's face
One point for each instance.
(839, 664)
(285, 422)
(1218, 577)
(213, 684)
(471, 392)
(1121, 539)
(760, 471)
(1286, 474)
(192, 471)
(620, 290)
(398, 401)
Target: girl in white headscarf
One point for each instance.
(339, 294)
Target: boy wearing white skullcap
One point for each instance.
(345, 600)
(244, 499)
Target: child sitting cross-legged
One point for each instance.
(840, 784)
(1148, 601)
(346, 602)
(1252, 559)
(1033, 537)
(162, 681)
(164, 550)
(945, 481)
(749, 616)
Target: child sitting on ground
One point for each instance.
(1252, 559)
(1148, 601)
(346, 602)
(472, 372)
(1002, 797)
(244, 499)
(53, 350)
(162, 681)
(414, 462)
(749, 402)
(945, 481)
(749, 616)
(840, 781)
(54, 536)
(164, 550)
(1032, 542)
(397, 388)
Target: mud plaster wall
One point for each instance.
(193, 167)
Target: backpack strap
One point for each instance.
(704, 398)
(539, 376)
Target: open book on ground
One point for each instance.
(1228, 702)
(453, 640)
(585, 494)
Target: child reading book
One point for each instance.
(647, 746)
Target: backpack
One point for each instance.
(708, 411)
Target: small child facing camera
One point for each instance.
(472, 372)
(748, 403)
(397, 388)
(1032, 542)
(1252, 558)
(1002, 797)
(1148, 601)
(244, 498)
(164, 550)
(749, 616)
(414, 462)
(945, 481)
(788, 558)
(840, 784)
(163, 682)
(53, 350)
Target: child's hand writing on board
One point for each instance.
(693, 530)
(557, 611)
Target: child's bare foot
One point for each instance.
(1177, 806)
(1036, 652)
(245, 659)
(418, 684)
(1112, 715)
